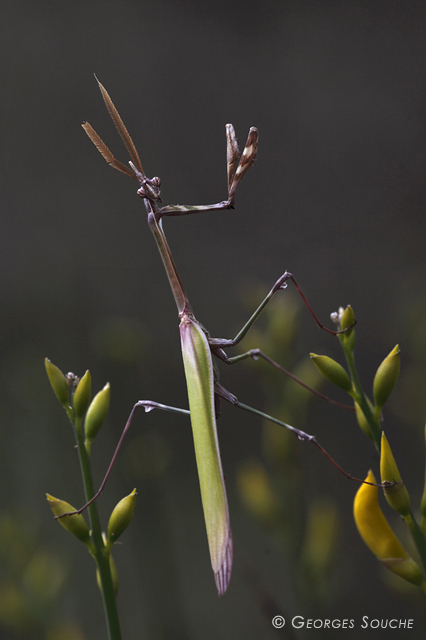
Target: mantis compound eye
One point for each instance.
(142, 192)
(150, 189)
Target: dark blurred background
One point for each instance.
(338, 93)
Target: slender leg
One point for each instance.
(255, 354)
(237, 169)
(301, 435)
(218, 345)
(185, 209)
(281, 283)
(148, 405)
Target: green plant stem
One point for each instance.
(361, 397)
(418, 537)
(423, 524)
(99, 552)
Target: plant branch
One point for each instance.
(102, 558)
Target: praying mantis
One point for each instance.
(198, 348)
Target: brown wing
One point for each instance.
(120, 126)
(105, 152)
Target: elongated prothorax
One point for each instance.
(200, 382)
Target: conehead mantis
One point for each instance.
(198, 347)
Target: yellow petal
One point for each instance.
(372, 525)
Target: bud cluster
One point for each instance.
(87, 416)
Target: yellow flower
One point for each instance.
(377, 534)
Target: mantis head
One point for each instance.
(150, 187)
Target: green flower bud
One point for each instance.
(406, 568)
(96, 412)
(75, 524)
(82, 395)
(121, 517)
(332, 371)
(397, 494)
(347, 319)
(58, 382)
(362, 421)
(386, 377)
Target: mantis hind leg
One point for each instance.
(301, 435)
(256, 354)
(148, 405)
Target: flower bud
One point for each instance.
(362, 420)
(406, 568)
(58, 382)
(75, 524)
(121, 516)
(96, 412)
(386, 377)
(332, 371)
(82, 395)
(377, 534)
(397, 494)
(347, 319)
